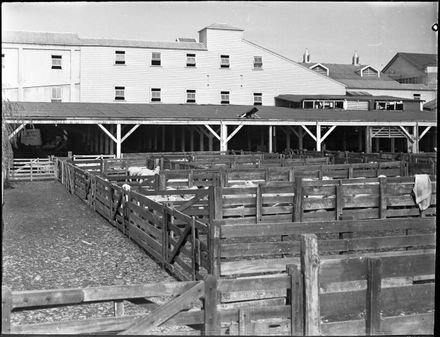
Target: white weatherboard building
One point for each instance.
(221, 68)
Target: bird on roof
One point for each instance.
(249, 114)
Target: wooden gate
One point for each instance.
(32, 169)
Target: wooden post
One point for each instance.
(310, 262)
(298, 202)
(30, 167)
(300, 138)
(212, 317)
(214, 248)
(368, 139)
(164, 237)
(318, 137)
(194, 258)
(6, 310)
(339, 200)
(119, 308)
(295, 299)
(259, 204)
(382, 198)
(270, 139)
(244, 322)
(374, 279)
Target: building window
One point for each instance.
(308, 104)
(119, 57)
(320, 70)
(56, 94)
(190, 96)
(389, 105)
(224, 61)
(56, 61)
(155, 59)
(190, 60)
(258, 98)
(258, 62)
(369, 73)
(155, 94)
(119, 93)
(417, 96)
(224, 97)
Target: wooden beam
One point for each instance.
(318, 137)
(118, 141)
(374, 279)
(129, 132)
(270, 139)
(310, 262)
(233, 133)
(108, 132)
(327, 133)
(309, 132)
(212, 131)
(424, 132)
(17, 130)
(407, 134)
(146, 323)
(223, 137)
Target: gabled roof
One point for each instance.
(221, 26)
(68, 39)
(419, 60)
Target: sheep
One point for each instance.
(142, 171)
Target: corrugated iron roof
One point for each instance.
(299, 98)
(222, 26)
(378, 84)
(194, 112)
(67, 39)
(431, 105)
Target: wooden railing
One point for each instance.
(32, 169)
(317, 295)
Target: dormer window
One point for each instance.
(369, 71)
(119, 57)
(320, 69)
(224, 61)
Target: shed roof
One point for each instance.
(298, 98)
(90, 113)
(431, 105)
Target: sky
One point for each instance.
(331, 31)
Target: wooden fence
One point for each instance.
(32, 169)
(298, 302)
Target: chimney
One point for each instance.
(355, 58)
(306, 56)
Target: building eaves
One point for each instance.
(68, 39)
(108, 112)
(222, 26)
(142, 44)
(378, 84)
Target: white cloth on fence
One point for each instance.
(422, 190)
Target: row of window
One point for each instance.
(190, 60)
(190, 96)
(156, 60)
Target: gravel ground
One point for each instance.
(52, 239)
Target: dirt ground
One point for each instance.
(51, 239)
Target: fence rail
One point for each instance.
(300, 301)
(32, 169)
